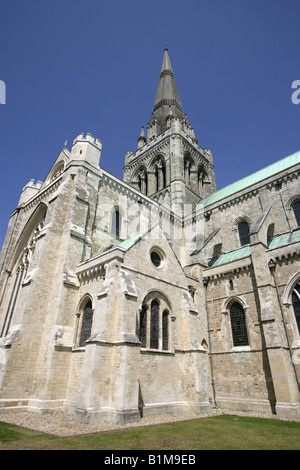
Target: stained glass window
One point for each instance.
(86, 325)
(296, 303)
(165, 330)
(244, 233)
(143, 326)
(154, 325)
(238, 325)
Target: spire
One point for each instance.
(167, 101)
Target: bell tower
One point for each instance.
(169, 165)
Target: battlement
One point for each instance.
(89, 138)
(29, 190)
(33, 184)
(86, 147)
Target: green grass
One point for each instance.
(223, 432)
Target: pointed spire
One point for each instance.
(167, 99)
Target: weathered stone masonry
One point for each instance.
(154, 294)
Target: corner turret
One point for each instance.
(86, 148)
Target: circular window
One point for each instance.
(157, 258)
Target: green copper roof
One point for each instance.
(275, 242)
(270, 170)
(229, 257)
(284, 239)
(129, 242)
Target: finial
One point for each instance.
(166, 47)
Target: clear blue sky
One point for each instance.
(75, 66)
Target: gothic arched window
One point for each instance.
(296, 210)
(244, 233)
(238, 325)
(143, 326)
(187, 171)
(86, 323)
(154, 322)
(156, 177)
(22, 259)
(202, 176)
(143, 181)
(163, 174)
(159, 170)
(296, 303)
(116, 223)
(165, 330)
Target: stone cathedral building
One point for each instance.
(157, 293)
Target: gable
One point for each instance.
(58, 166)
(151, 254)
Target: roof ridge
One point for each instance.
(252, 180)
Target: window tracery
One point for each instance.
(20, 272)
(154, 324)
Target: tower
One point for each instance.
(169, 165)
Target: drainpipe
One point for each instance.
(272, 266)
(205, 283)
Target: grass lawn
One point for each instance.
(225, 432)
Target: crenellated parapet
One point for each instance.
(87, 148)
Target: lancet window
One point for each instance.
(116, 223)
(154, 324)
(187, 171)
(296, 303)
(160, 174)
(244, 232)
(238, 325)
(296, 210)
(143, 181)
(202, 180)
(84, 322)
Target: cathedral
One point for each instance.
(157, 293)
